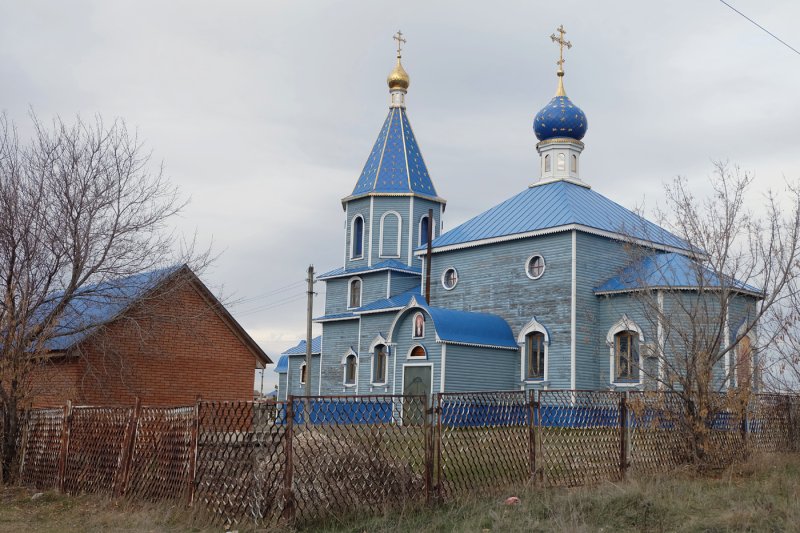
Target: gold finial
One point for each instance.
(561, 44)
(398, 77)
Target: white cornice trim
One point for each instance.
(559, 229)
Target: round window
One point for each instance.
(535, 267)
(449, 278)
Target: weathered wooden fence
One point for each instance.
(313, 457)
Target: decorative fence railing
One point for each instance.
(313, 457)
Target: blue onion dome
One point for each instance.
(560, 118)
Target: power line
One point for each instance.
(268, 294)
(272, 305)
(787, 45)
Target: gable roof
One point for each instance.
(95, 306)
(391, 264)
(669, 271)
(552, 207)
(468, 328)
(395, 165)
(300, 347)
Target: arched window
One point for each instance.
(423, 231)
(534, 355)
(357, 238)
(626, 356)
(354, 295)
(574, 164)
(391, 226)
(417, 352)
(533, 340)
(547, 163)
(418, 329)
(562, 162)
(350, 370)
(303, 374)
(379, 364)
(744, 363)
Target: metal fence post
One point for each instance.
(288, 471)
(66, 424)
(623, 434)
(193, 446)
(439, 465)
(532, 433)
(430, 412)
(540, 440)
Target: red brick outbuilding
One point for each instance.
(161, 336)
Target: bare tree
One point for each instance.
(720, 311)
(80, 206)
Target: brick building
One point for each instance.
(161, 336)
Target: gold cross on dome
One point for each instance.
(400, 41)
(561, 44)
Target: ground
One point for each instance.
(762, 495)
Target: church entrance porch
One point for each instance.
(417, 381)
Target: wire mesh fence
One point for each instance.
(310, 458)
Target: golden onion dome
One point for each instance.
(398, 77)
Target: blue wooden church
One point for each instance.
(535, 292)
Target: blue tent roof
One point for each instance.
(552, 205)
(300, 348)
(397, 301)
(466, 327)
(395, 164)
(334, 316)
(391, 264)
(282, 366)
(667, 270)
(96, 305)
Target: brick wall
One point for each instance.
(168, 351)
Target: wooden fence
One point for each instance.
(312, 457)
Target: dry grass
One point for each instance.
(761, 495)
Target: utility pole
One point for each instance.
(428, 254)
(309, 314)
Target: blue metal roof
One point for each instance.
(282, 366)
(395, 164)
(560, 118)
(334, 316)
(466, 327)
(555, 204)
(300, 348)
(391, 264)
(96, 305)
(670, 271)
(397, 301)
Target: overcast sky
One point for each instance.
(264, 112)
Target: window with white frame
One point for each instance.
(354, 293)
(744, 363)
(547, 163)
(626, 356)
(417, 352)
(450, 278)
(303, 374)
(534, 355)
(562, 162)
(574, 164)
(380, 360)
(350, 363)
(423, 230)
(534, 268)
(391, 230)
(357, 238)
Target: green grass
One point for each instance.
(762, 495)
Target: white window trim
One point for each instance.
(413, 358)
(444, 285)
(385, 381)
(352, 235)
(414, 325)
(360, 291)
(624, 324)
(528, 262)
(740, 335)
(348, 354)
(302, 367)
(381, 251)
(534, 326)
